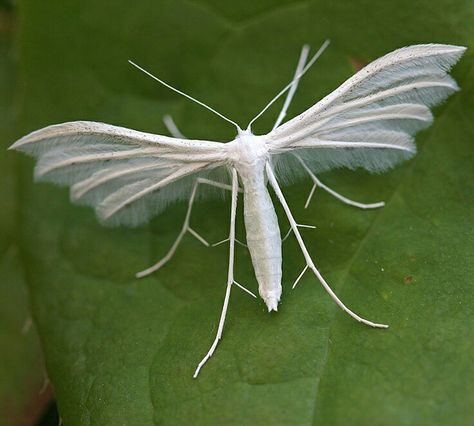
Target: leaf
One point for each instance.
(122, 351)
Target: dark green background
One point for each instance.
(121, 351)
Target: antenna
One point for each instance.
(292, 82)
(185, 95)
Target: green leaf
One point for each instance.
(22, 396)
(122, 351)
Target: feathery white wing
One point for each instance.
(370, 120)
(128, 176)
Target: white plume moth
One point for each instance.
(369, 122)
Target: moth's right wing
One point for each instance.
(370, 120)
(128, 176)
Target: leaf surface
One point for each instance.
(122, 351)
(22, 394)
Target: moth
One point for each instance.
(129, 176)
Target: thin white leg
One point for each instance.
(309, 261)
(291, 83)
(317, 182)
(289, 97)
(172, 127)
(230, 274)
(186, 227)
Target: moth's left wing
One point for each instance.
(128, 176)
(370, 120)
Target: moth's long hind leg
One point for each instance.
(317, 183)
(230, 273)
(309, 261)
(186, 227)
